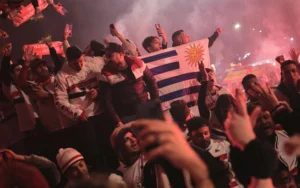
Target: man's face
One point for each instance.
(184, 38)
(290, 74)
(115, 60)
(42, 71)
(16, 72)
(212, 79)
(201, 137)
(131, 145)
(155, 45)
(264, 124)
(77, 64)
(77, 171)
(248, 84)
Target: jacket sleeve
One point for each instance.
(202, 107)
(106, 99)
(55, 58)
(5, 64)
(21, 81)
(62, 99)
(47, 167)
(212, 39)
(151, 84)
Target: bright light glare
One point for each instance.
(292, 38)
(253, 29)
(237, 26)
(260, 31)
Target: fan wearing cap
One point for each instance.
(181, 114)
(72, 165)
(200, 138)
(180, 37)
(126, 82)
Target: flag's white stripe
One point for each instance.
(178, 86)
(161, 62)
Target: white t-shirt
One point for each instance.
(133, 175)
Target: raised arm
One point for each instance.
(214, 37)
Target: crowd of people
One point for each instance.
(73, 122)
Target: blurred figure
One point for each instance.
(180, 37)
(247, 82)
(76, 94)
(181, 114)
(15, 173)
(213, 91)
(128, 78)
(199, 132)
(153, 43)
(132, 161)
(129, 47)
(289, 89)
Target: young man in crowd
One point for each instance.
(73, 167)
(153, 44)
(180, 37)
(200, 137)
(289, 89)
(247, 81)
(265, 131)
(213, 91)
(126, 82)
(125, 144)
(129, 47)
(76, 96)
(181, 114)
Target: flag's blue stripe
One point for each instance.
(176, 79)
(179, 93)
(165, 68)
(160, 56)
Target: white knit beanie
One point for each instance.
(66, 157)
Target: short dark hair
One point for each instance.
(98, 48)
(246, 78)
(288, 62)
(148, 41)
(179, 111)
(73, 53)
(36, 62)
(175, 35)
(196, 123)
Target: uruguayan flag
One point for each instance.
(176, 69)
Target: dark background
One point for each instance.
(277, 19)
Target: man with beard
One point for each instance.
(127, 79)
(265, 130)
(200, 138)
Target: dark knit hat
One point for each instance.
(196, 122)
(36, 62)
(114, 47)
(179, 111)
(73, 53)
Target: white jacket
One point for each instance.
(71, 88)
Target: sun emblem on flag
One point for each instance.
(195, 54)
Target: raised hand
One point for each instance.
(294, 55)
(238, 125)
(266, 97)
(219, 30)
